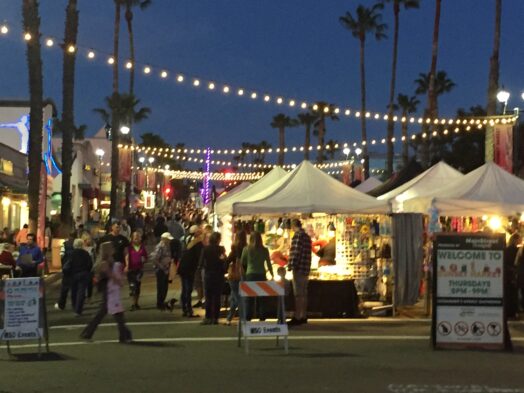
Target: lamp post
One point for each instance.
(503, 97)
(346, 151)
(100, 154)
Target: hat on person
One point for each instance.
(166, 235)
(193, 229)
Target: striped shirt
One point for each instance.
(300, 254)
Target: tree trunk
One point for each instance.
(31, 21)
(321, 134)
(363, 107)
(307, 142)
(129, 20)
(493, 83)
(68, 121)
(405, 143)
(432, 111)
(115, 121)
(282, 145)
(391, 125)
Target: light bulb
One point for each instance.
(163, 74)
(71, 49)
(129, 65)
(180, 78)
(111, 60)
(91, 55)
(4, 29)
(49, 42)
(147, 70)
(196, 83)
(27, 37)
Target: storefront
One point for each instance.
(13, 188)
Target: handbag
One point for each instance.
(235, 270)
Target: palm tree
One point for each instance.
(129, 5)
(331, 150)
(125, 107)
(67, 124)
(442, 84)
(323, 111)
(431, 110)
(282, 121)
(367, 20)
(31, 22)
(493, 83)
(307, 119)
(391, 125)
(115, 121)
(260, 156)
(407, 105)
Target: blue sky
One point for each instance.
(293, 48)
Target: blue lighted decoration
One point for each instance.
(22, 126)
(48, 155)
(207, 172)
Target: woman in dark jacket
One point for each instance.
(212, 261)
(186, 270)
(234, 260)
(80, 272)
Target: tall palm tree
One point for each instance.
(331, 150)
(129, 5)
(125, 107)
(307, 119)
(281, 122)
(441, 84)
(115, 121)
(67, 123)
(407, 106)
(31, 22)
(391, 125)
(366, 20)
(260, 156)
(493, 83)
(323, 111)
(431, 110)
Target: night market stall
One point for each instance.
(349, 227)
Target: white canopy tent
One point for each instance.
(487, 190)
(368, 185)
(309, 190)
(433, 179)
(242, 186)
(224, 205)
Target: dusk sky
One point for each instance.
(292, 48)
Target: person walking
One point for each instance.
(300, 265)
(66, 250)
(162, 259)
(81, 266)
(110, 280)
(212, 261)
(235, 272)
(120, 243)
(89, 246)
(187, 269)
(255, 259)
(135, 270)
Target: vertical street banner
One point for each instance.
(20, 308)
(140, 179)
(468, 294)
(125, 165)
(42, 201)
(503, 146)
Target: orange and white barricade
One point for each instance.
(247, 329)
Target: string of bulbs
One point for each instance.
(230, 89)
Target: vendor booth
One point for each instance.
(368, 184)
(350, 232)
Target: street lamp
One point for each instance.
(141, 160)
(151, 160)
(100, 154)
(346, 151)
(125, 130)
(503, 97)
(358, 151)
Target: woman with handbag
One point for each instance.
(255, 259)
(235, 273)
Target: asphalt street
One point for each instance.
(172, 353)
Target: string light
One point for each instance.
(147, 70)
(91, 54)
(49, 42)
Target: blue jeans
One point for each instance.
(234, 299)
(259, 301)
(187, 290)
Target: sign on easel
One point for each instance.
(468, 292)
(22, 310)
(254, 289)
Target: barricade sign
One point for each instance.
(255, 289)
(22, 311)
(468, 292)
